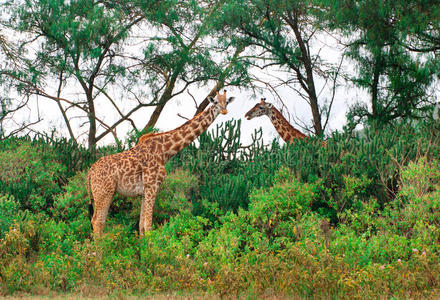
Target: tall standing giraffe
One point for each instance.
(140, 170)
(287, 132)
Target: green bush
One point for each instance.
(73, 203)
(223, 168)
(420, 178)
(358, 218)
(9, 212)
(406, 227)
(276, 217)
(351, 168)
(174, 195)
(70, 212)
(274, 211)
(30, 174)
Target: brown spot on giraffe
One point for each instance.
(287, 132)
(140, 170)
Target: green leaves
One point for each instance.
(398, 80)
(9, 212)
(29, 174)
(326, 218)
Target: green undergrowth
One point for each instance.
(358, 218)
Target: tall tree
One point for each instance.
(419, 23)
(285, 37)
(91, 53)
(396, 79)
(184, 51)
(75, 41)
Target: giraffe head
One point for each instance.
(221, 102)
(261, 108)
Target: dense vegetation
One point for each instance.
(358, 218)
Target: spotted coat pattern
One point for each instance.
(140, 170)
(287, 132)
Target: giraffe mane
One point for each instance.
(290, 126)
(150, 135)
(146, 137)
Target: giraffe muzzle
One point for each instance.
(224, 111)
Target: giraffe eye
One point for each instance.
(260, 108)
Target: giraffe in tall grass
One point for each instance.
(140, 170)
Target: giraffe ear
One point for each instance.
(212, 100)
(230, 99)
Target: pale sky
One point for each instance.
(183, 104)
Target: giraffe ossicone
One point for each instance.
(140, 170)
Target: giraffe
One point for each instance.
(287, 132)
(140, 170)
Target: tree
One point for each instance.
(76, 43)
(185, 51)
(419, 23)
(397, 80)
(10, 103)
(284, 32)
(113, 51)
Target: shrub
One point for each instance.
(351, 195)
(272, 211)
(225, 177)
(70, 212)
(276, 217)
(420, 178)
(30, 174)
(73, 203)
(168, 252)
(174, 195)
(351, 168)
(248, 222)
(18, 246)
(406, 227)
(9, 212)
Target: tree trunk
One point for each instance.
(375, 91)
(221, 81)
(155, 116)
(166, 96)
(92, 121)
(63, 112)
(311, 91)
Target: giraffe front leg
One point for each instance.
(102, 205)
(151, 181)
(146, 217)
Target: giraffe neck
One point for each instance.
(287, 132)
(177, 139)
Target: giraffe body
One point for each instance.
(140, 170)
(287, 132)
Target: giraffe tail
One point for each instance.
(90, 198)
